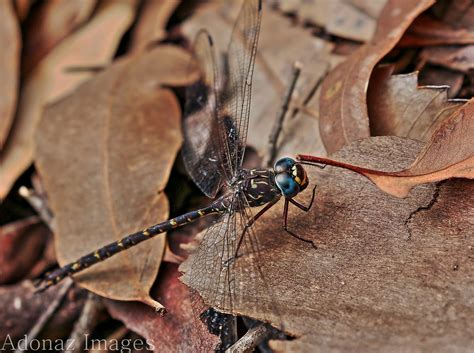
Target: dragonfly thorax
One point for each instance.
(259, 186)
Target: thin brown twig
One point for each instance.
(46, 315)
(38, 204)
(252, 338)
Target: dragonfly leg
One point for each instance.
(250, 222)
(285, 221)
(303, 207)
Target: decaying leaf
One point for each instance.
(152, 23)
(427, 31)
(92, 45)
(449, 153)
(273, 73)
(398, 106)
(460, 58)
(53, 21)
(353, 19)
(21, 244)
(105, 154)
(20, 308)
(10, 41)
(373, 275)
(343, 111)
(180, 330)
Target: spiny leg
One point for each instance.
(250, 222)
(303, 207)
(285, 223)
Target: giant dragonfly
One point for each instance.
(216, 121)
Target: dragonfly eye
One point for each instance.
(284, 165)
(287, 184)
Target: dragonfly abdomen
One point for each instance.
(219, 206)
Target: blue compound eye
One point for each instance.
(284, 165)
(288, 186)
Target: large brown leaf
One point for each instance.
(92, 45)
(381, 273)
(10, 42)
(343, 104)
(105, 154)
(399, 106)
(449, 153)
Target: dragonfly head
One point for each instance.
(290, 177)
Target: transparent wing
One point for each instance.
(227, 284)
(234, 101)
(201, 151)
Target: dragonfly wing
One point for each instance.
(234, 102)
(200, 150)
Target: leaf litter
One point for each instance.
(395, 273)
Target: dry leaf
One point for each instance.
(398, 106)
(151, 24)
(179, 330)
(22, 8)
(273, 73)
(10, 41)
(373, 275)
(105, 154)
(53, 21)
(92, 45)
(354, 19)
(438, 76)
(452, 57)
(449, 153)
(343, 105)
(21, 244)
(427, 31)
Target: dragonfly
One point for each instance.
(217, 111)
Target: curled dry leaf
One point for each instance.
(449, 153)
(93, 45)
(343, 107)
(379, 273)
(398, 106)
(452, 57)
(20, 308)
(10, 42)
(180, 330)
(151, 24)
(105, 154)
(273, 73)
(21, 244)
(52, 22)
(354, 19)
(427, 31)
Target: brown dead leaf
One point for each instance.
(439, 76)
(21, 244)
(179, 330)
(92, 45)
(20, 308)
(10, 42)
(460, 58)
(53, 21)
(351, 19)
(105, 154)
(398, 106)
(151, 24)
(449, 153)
(343, 105)
(427, 31)
(373, 275)
(22, 7)
(273, 72)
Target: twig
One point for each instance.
(86, 322)
(251, 339)
(44, 318)
(39, 205)
(272, 143)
